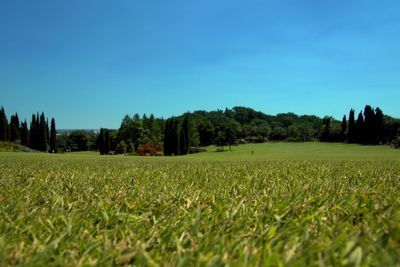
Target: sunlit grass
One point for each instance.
(78, 210)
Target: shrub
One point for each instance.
(121, 148)
(193, 150)
(148, 150)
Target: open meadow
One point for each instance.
(278, 204)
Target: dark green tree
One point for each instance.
(33, 132)
(3, 125)
(121, 147)
(167, 138)
(379, 126)
(326, 129)
(175, 136)
(231, 131)
(206, 131)
(53, 136)
(184, 137)
(137, 131)
(369, 131)
(359, 129)
(182, 142)
(220, 140)
(14, 128)
(107, 142)
(43, 133)
(101, 141)
(194, 138)
(351, 130)
(131, 130)
(24, 134)
(344, 128)
(104, 141)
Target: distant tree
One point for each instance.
(305, 132)
(220, 141)
(137, 131)
(78, 140)
(351, 130)
(131, 130)
(24, 134)
(183, 149)
(167, 138)
(53, 136)
(379, 126)
(194, 137)
(101, 142)
(369, 131)
(293, 133)
(326, 129)
(121, 147)
(130, 147)
(206, 131)
(107, 142)
(344, 128)
(43, 133)
(279, 133)
(175, 136)
(184, 137)
(14, 128)
(359, 129)
(151, 129)
(47, 132)
(171, 137)
(32, 133)
(231, 131)
(3, 125)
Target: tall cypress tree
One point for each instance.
(379, 126)
(107, 143)
(369, 125)
(185, 127)
(14, 128)
(3, 125)
(42, 133)
(47, 131)
(359, 129)
(32, 133)
(184, 137)
(53, 136)
(326, 129)
(175, 136)
(182, 142)
(351, 130)
(101, 141)
(344, 127)
(24, 134)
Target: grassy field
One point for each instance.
(287, 204)
(301, 151)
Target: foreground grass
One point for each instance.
(91, 210)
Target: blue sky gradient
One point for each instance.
(88, 63)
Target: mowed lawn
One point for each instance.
(302, 151)
(285, 204)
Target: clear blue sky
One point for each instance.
(88, 63)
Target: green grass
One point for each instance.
(302, 151)
(210, 209)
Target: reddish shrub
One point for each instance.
(149, 150)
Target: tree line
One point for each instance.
(187, 133)
(371, 127)
(38, 136)
(223, 128)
